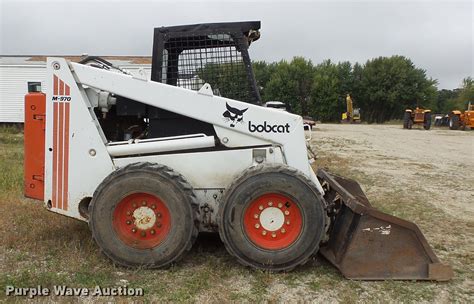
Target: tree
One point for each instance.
(263, 72)
(389, 85)
(326, 105)
(291, 83)
(445, 100)
(466, 94)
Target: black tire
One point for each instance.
(407, 120)
(454, 122)
(160, 181)
(427, 121)
(260, 180)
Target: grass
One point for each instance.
(41, 248)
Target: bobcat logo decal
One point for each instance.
(233, 115)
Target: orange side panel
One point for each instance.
(60, 154)
(55, 84)
(61, 87)
(66, 154)
(55, 154)
(35, 109)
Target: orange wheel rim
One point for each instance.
(141, 220)
(273, 221)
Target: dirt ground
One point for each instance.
(439, 162)
(423, 176)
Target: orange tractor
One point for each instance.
(418, 116)
(459, 120)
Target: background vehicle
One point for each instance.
(418, 116)
(281, 106)
(461, 120)
(149, 164)
(352, 115)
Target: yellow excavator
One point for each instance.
(352, 115)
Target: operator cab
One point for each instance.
(187, 56)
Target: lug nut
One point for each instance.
(134, 205)
(287, 222)
(287, 212)
(257, 226)
(260, 207)
(255, 215)
(143, 203)
(152, 231)
(134, 230)
(158, 225)
(270, 203)
(274, 235)
(280, 205)
(264, 232)
(129, 213)
(283, 230)
(153, 207)
(128, 222)
(158, 214)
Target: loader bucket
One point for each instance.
(366, 244)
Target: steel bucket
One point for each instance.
(366, 244)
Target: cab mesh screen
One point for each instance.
(192, 61)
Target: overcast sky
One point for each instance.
(437, 35)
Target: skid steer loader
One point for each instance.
(150, 163)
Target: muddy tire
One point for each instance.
(407, 120)
(144, 215)
(454, 122)
(272, 218)
(427, 121)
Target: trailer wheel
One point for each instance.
(406, 120)
(144, 215)
(427, 121)
(272, 217)
(454, 122)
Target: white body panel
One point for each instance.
(207, 170)
(261, 135)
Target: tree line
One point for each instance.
(382, 88)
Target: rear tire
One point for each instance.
(272, 218)
(144, 215)
(454, 122)
(407, 120)
(427, 121)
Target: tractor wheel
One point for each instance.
(427, 121)
(144, 215)
(272, 217)
(454, 122)
(407, 120)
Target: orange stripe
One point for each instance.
(55, 153)
(67, 90)
(66, 154)
(60, 158)
(61, 87)
(55, 85)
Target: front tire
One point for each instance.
(407, 120)
(454, 122)
(144, 215)
(272, 218)
(427, 121)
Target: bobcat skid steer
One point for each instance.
(151, 163)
